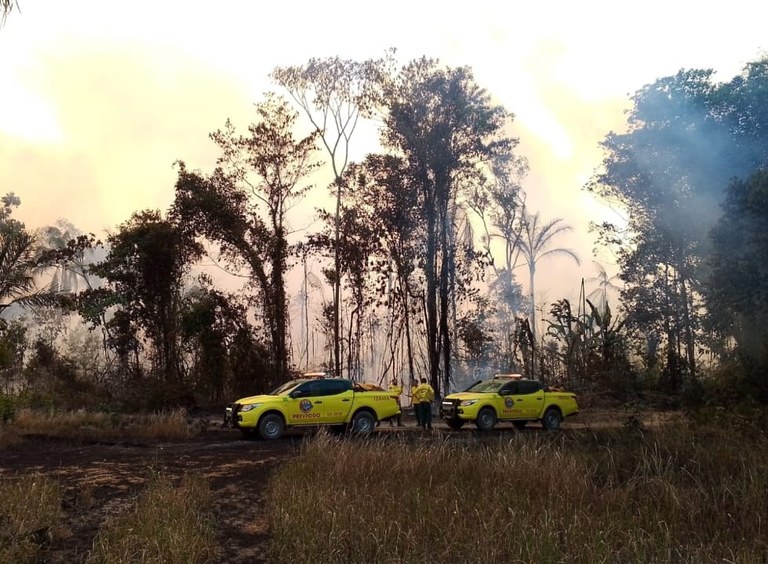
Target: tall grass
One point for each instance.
(83, 424)
(619, 496)
(167, 524)
(30, 517)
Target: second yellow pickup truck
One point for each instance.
(508, 398)
(314, 401)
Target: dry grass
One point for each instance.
(167, 524)
(88, 425)
(30, 517)
(628, 495)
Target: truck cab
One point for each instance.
(312, 401)
(508, 398)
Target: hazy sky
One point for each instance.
(100, 98)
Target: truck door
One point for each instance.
(335, 400)
(530, 399)
(510, 399)
(301, 405)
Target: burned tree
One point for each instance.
(447, 129)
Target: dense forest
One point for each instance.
(412, 271)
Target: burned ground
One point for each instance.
(100, 479)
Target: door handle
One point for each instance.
(345, 399)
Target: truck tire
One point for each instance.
(363, 423)
(271, 426)
(486, 419)
(552, 419)
(455, 424)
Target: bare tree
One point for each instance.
(333, 93)
(6, 7)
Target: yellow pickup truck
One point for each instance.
(508, 398)
(313, 401)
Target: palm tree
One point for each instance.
(534, 241)
(605, 284)
(19, 262)
(19, 269)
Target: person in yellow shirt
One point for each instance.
(396, 391)
(423, 394)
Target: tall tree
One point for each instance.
(659, 170)
(334, 93)
(737, 293)
(448, 130)
(243, 206)
(687, 136)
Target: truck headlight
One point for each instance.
(249, 407)
(465, 403)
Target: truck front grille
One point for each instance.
(449, 409)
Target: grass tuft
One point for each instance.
(167, 523)
(30, 517)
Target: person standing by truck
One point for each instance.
(395, 391)
(423, 395)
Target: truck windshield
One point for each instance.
(488, 386)
(285, 388)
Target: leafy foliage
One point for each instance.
(145, 272)
(687, 137)
(737, 297)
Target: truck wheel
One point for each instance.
(520, 425)
(486, 419)
(552, 419)
(455, 424)
(271, 426)
(363, 423)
